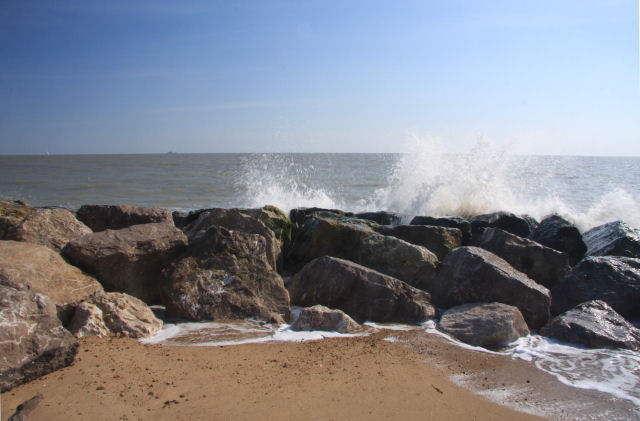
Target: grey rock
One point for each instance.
(362, 293)
(380, 217)
(439, 240)
(542, 264)
(615, 280)
(484, 324)
(504, 220)
(115, 217)
(472, 275)
(594, 324)
(448, 221)
(26, 408)
(323, 318)
(613, 239)
(556, 232)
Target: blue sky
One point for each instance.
(547, 77)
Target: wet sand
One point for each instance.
(361, 378)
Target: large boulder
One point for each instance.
(439, 240)
(323, 318)
(362, 293)
(542, 264)
(27, 266)
(615, 280)
(276, 220)
(556, 232)
(128, 260)
(50, 227)
(472, 275)
(114, 313)
(484, 324)
(12, 213)
(613, 239)
(594, 324)
(355, 240)
(115, 217)
(233, 219)
(506, 221)
(298, 215)
(447, 221)
(225, 275)
(32, 340)
(381, 217)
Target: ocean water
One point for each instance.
(422, 180)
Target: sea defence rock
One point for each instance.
(615, 280)
(12, 213)
(449, 222)
(439, 240)
(323, 318)
(542, 264)
(594, 324)
(277, 221)
(355, 240)
(115, 217)
(362, 293)
(32, 340)
(24, 410)
(506, 221)
(380, 217)
(472, 275)
(298, 215)
(50, 227)
(225, 275)
(128, 260)
(556, 232)
(484, 324)
(28, 266)
(232, 219)
(613, 239)
(88, 321)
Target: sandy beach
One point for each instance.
(333, 379)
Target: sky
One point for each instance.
(541, 77)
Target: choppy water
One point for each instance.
(423, 179)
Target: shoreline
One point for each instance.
(364, 377)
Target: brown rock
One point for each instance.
(323, 318)
(25, 408)
(362, 293)
(12, 213)
(233, 219)
(115, 217)
(88, 321)
(126, 315)
(472, 275)
(49, 227)
(128, 260)
(484, 324)
(32, 340)
(439, 240)
(28, 266)
(225, 275)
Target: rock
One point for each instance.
(115, 217)
(556, 232)
(503, 220)
(613, 239)
(26, 408)
(28, 266)
(50, 227)
(615, 280)
(233, 219)
(472, 275)
(276, 220)
(594, 324)
(32, 340)
(362, 293)
(449, 222)
(298, 215)
(381, 217)
(354, 239)
(439, 240)
(12, 213)
(88, 321)
(323, 318)
(128, 260)
(542, 264)
(125, 315)
(225, 275)
(483, 324)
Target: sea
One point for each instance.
(422, 179)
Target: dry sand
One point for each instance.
(361, 378)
